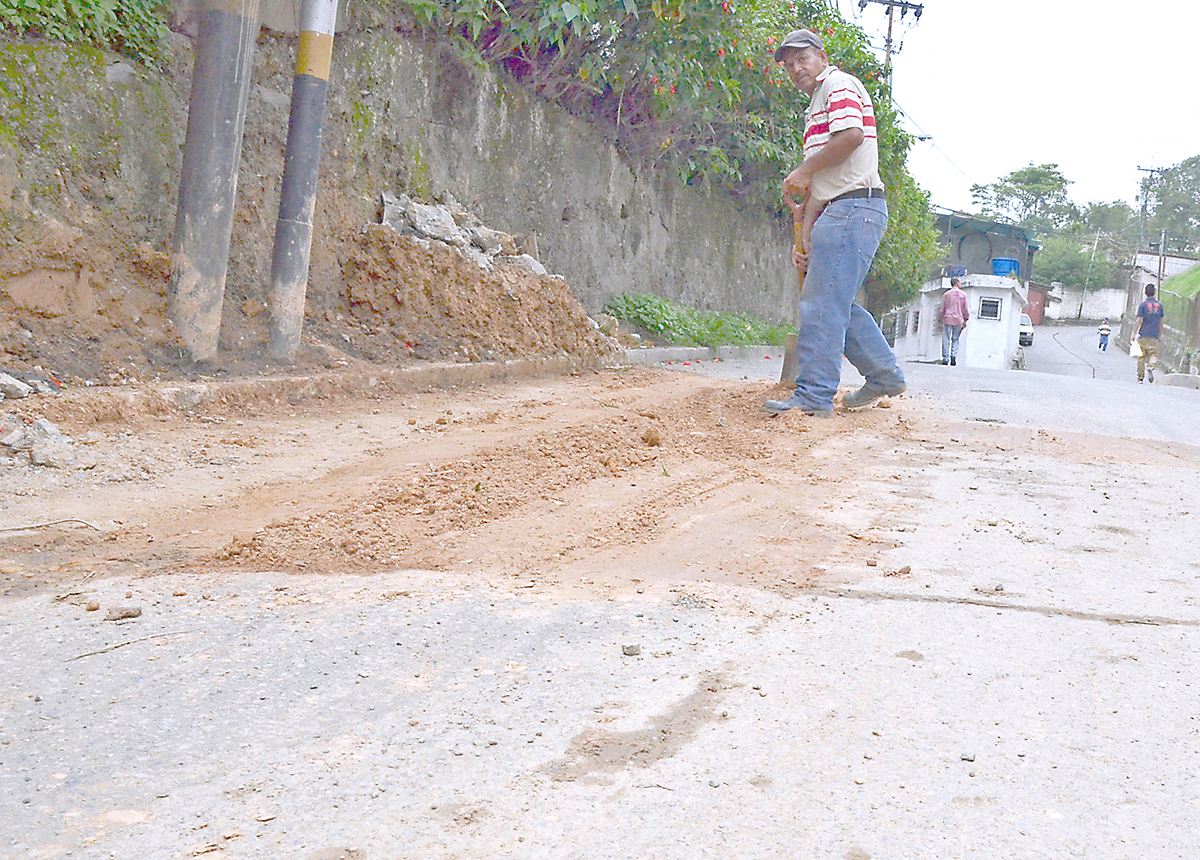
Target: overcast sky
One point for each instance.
(1000, 85)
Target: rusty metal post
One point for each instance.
(298, 196)
(208, 183)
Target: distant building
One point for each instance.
(989, 258)
(975, 244)
(1148, 262)
(1105, 301)
(990, 339)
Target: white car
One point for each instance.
(1025, 335)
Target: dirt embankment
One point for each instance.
(95, 313)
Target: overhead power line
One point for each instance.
(892, 5)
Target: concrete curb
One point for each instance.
(104, 403)
(112, 404)
(1180, 380)
(663, 354)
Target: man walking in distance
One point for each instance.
(955, 314)
(845, 211)
(1149, 317)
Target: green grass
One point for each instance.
(1185, 283)
(1177, 295)
(677, 324)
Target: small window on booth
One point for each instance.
(989, 309)
(916, 321)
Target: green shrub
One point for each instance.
(132, 27)
(677, 324)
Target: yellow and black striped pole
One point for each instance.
(301, 170)
(208, 181)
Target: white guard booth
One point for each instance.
(990, 338)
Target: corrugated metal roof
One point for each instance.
(959, 220)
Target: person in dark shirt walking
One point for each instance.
(1149, 317)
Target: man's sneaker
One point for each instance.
(778, 407)
(868, 394)
(1150, 373)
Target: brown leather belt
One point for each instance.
(862, 192)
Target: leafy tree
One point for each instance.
(1034, 196)
(1117, 219)
(909, 248)
(1074, 261)
(1177, 206)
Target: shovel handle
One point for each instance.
(798, 238)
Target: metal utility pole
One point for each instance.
(298, 196)
(208, 182)
(905, 7)
(1146, 183)
(1162, 261)
(1087, 280)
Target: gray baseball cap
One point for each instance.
(798, 39)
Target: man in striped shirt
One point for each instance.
(845, 215)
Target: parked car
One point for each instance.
(1025, 335)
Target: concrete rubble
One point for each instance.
(451, 224)
(12, 388)
(44, 443)
(16, 384)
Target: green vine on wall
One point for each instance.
(135, 28)
(692, 85)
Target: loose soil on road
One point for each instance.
(603, 480)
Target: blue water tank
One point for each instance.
(1005, 267)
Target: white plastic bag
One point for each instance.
(1135, 348)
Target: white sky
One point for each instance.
(1000, 85)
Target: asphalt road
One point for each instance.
(1027, 688)
(1074, 351)
(1068, 384)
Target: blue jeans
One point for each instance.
(950, 335)
(844, 241)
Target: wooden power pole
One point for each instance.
(892, 5)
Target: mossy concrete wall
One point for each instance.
(79, 126)
(527, 166)
(84, 133)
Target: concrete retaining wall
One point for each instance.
(403, 115)
(528, 167)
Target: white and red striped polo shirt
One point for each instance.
(840, 102)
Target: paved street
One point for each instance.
(1015, 678)
(1072, 350)
(1068, 384)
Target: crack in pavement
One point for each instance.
(1048, 611)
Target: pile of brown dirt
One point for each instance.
(94, 311)
(406, 522)
(436, 302)
(84, 309)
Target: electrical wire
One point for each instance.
(930, 139)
